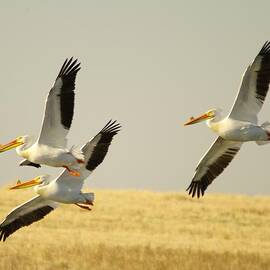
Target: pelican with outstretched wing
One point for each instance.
(241, 125)
(50, 148)
(65, 188)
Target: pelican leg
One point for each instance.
(80, 161)
(72, 172)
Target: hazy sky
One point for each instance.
(148, 64)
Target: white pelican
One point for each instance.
(241, 125)
(50, 148)
(64, 189)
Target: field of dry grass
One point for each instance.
(143, 230)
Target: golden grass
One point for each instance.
(143, 230)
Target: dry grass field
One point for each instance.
(143, 230)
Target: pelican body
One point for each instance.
(241, 125)
(51, 147)
(49, 155)
(236, 130)
(66, 188)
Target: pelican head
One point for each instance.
(39, 181)
(211, 114)
(21, 140)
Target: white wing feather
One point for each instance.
(94, 153)
(253, 88)
(59, 107)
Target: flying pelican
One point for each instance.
(64, 189)
(241, 125)
(50, 148)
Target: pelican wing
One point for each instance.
(60, 106)
(254, 88)
(25, 214)
(94, 153)
(212, 164)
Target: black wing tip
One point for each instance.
(196, 188)
(9, 229)
(4, 234)
(68, 74)
(70, 66)
(265, 50)
(100, 150)
(112, 127)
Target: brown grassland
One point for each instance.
(143, 230)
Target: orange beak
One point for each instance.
(199, 119)
(27, 184)
(10, 145)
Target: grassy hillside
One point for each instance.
(143, 230)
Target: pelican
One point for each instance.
(50, 148)
(65, 189)
(239, 126)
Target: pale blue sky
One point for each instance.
(148, 64)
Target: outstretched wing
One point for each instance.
(60, 106)
(212, 164)
(254, 88)
(94, 153)
(25, 214)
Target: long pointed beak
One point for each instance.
(27, 184)
(199, 119)
(10, 145)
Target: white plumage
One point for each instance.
(51, 147)
(241, 125)
(64, 189)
